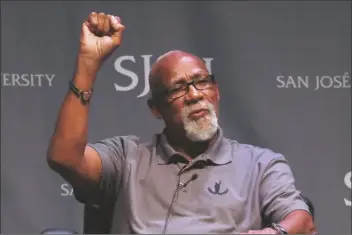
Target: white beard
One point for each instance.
(203, 128)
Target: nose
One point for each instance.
(193, 94)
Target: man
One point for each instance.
(188, 179)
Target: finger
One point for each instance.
(88, 27)
(85, 28)
(107, 24)
(93, 20)
(101, 20)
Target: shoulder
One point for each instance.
(116, 144)
(251, 154)
(127, 145)
(261, 154)
(118, 141)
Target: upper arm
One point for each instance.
(103, 162)
(97, 174)
(278, 194)
(89, 167)
(82, 170)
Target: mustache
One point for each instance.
(200, 105)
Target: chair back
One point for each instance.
(97, 220)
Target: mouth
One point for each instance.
(198, 113)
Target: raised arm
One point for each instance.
(68, 153)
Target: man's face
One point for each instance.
(194, 113)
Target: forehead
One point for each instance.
(181, 68)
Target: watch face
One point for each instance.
(86, 95)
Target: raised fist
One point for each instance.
(100, 35)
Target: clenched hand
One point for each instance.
(101, 34)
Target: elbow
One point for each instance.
(299, 222)
(50, 156)
(57, 164)
(60, 160)
(308, 226)
(54, 158)
(55, 155)
(311, 228)
(51, 159)
(63, 155)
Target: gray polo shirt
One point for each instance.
(237, 186)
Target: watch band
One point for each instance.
(84, 96)
(278, 228)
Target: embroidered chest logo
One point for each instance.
(217, 190)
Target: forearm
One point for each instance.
(299, 222)
(68, 142)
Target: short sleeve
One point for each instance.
(112, 152)
(278, 194)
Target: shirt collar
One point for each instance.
(219, 153)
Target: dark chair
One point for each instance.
(97, 220)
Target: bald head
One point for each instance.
(174, 55)
(170, 64)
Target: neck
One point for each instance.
(187, 147)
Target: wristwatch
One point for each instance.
(278, 228)
(85, 96)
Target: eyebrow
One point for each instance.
(181, 80)
(177, 81)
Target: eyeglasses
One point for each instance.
(179, 90)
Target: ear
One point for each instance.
(154, 108)
(217, 91)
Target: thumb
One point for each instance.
(85, 29)
(118, 29)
